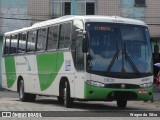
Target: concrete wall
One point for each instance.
(148, 14)
(14, 15)
(129, 10)
(153, 17)
(108, 7)
(39, 10)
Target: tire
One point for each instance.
(25, 97)
(121, 103)
(152, 99)
(60, 100)
(68, 101)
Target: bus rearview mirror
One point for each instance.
(85, 45)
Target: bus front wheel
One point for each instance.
(121, 103)
(25, 97)
(68, 101)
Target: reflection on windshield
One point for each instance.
(119, 48)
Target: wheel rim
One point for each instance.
(21, 90)
(64, 97)
(65, 94)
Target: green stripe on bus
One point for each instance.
(48, 68)
(10, 70)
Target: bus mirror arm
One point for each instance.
(85, 44)
(84, 32)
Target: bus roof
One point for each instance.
(86, 18)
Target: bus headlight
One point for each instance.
(145, 85)
(95, 83)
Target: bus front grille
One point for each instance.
(122, 95)
(127, 86)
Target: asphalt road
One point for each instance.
(9, 101)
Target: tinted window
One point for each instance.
(65, 35)
(7, 44)
(41, 43)
(14, 41)
(140, 3)
(52, 37)
(67, 8)
(62, 36)
(90, 9)
(31, 41)
(60, 8)
(22, 42)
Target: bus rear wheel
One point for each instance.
(68, 101)
(121, 103)
(25, 97)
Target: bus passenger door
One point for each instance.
(78, 57)
(79, 65)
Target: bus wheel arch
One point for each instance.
(24, 97)
(64, 92)
(62, 85)
(18, 82)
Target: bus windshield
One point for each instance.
(119, 48)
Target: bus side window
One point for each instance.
(22, 42)
(41, 41)
(65, 35)
(52, 37)
(31, 41)
(13, 47)
(68, 30)
(76, 47)
(62, 36)
(6, 45)
(79, 54)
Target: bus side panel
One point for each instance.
(9, 73)
(25, 67)
(79, 84)
(67, 70)
(51, 67)
(4, 78)
(47, 72)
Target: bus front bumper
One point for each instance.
(109, 94)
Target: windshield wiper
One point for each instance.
(114, 57)
(128, 58)
(113, 60)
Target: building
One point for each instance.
(145, 10)
(15, 14)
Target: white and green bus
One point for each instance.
(92, 58)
